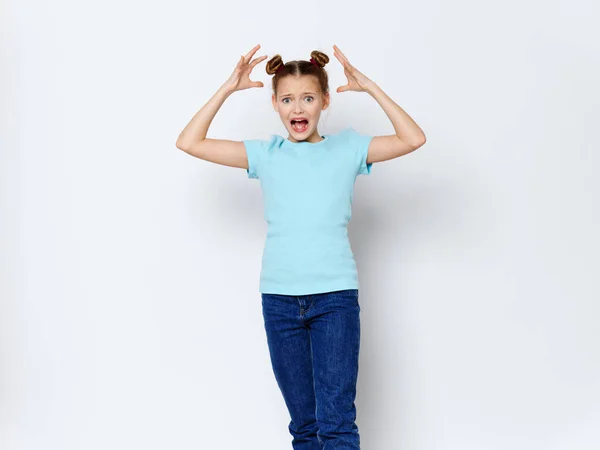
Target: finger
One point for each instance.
(346, 63)
(349, 71)
(343, 88)
(257, 60)
(339, 58)
(343, 61)
(338, 55)
(337, 49)
(343, 57)
(256, 84)
(251, 53)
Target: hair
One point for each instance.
(300, 67)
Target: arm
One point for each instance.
(193, 140)
(196, 130)
(408, 135)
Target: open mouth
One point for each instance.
(300, 126)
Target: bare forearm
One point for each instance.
(405, 127)
(196, 130)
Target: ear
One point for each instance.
(274, 101)
(326, 101)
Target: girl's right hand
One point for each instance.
(240, 78)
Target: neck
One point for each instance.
(313, 138)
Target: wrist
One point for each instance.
(372, 88)
(225, 91)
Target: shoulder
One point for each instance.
(349, 134)
(356, 145)
(263, 145)
(257, 152)
(350, 138)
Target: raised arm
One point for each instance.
(409, 136)
(193, 140)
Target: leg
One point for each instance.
(290, 350)
(335, 333)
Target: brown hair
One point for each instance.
(300, 67)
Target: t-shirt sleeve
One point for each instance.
(360, 145)
(254, 150)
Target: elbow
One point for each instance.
(180, 145)
(420, 142)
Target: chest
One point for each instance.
(315, 180)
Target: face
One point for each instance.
(300, 97)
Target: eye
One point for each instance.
(309, 96)
(283, 101)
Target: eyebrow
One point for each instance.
(283, 95)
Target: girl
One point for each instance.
(308, 282)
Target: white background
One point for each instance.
(130, 316)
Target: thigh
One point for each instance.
(335, 333)
(289, 344)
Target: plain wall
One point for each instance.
(130, 315)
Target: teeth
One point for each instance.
(300, 128)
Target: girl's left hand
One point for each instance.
(356, 80)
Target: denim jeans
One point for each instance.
(313, 344)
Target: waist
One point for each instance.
(306, 229)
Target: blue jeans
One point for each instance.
(313, 344)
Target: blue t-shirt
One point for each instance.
(307, 194)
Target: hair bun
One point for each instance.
(319, 57)
(274, 64)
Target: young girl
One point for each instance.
(309, 282)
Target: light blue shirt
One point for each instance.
(307, 194)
